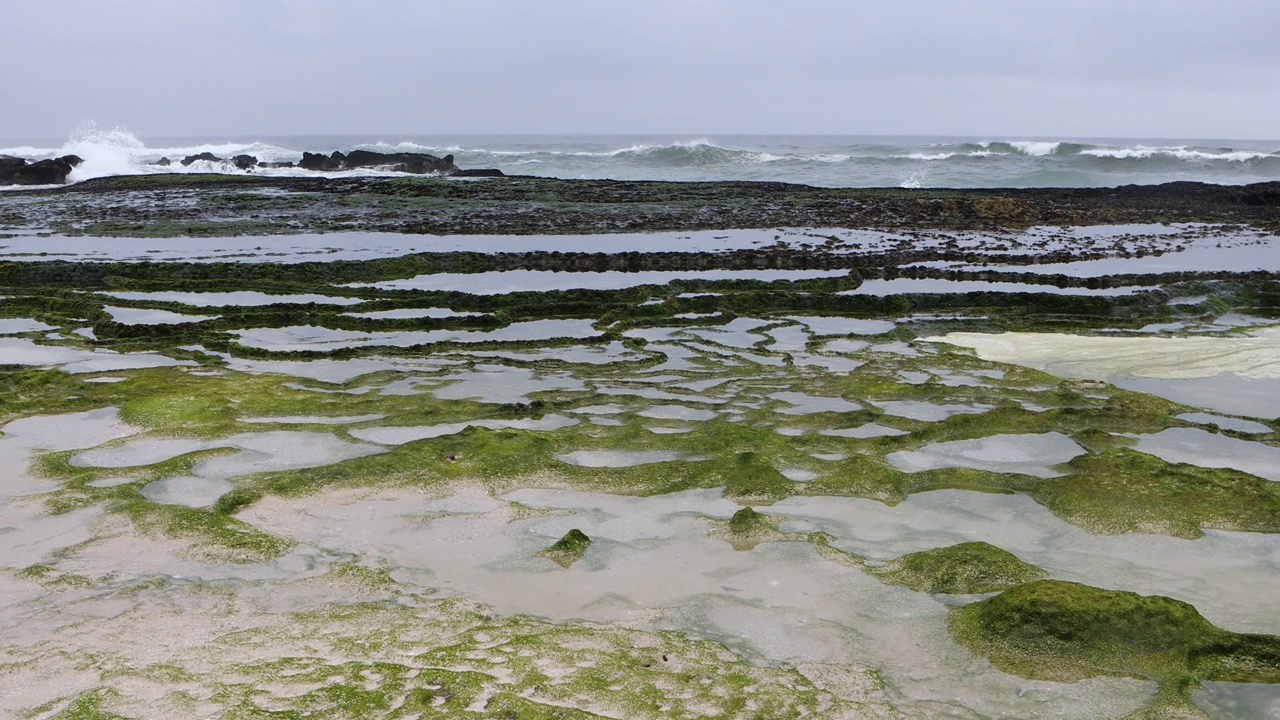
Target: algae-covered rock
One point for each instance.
(748, 528)
(752, 477)
(972, 567)
(1064, 631)
(747, 520)
(568, 549)
(1122, 491)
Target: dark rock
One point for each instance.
(275, 165)
(207, 156)
(479, 172)
(17, 171)
(316, 161)
(163, 162)
(415, 163)
(244, 162)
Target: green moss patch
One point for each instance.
(747, 528)
(1123, 491)
(1064, 632)
(972, 567)
(569, 549)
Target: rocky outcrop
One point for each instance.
(205, 156)
(18, 171)
(316, 161)
(480, 172)
(414, 163)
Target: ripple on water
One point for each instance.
(402, 435)
(802, 404)
(15, 326)
(20, 351)
(1028, 454)
(257, 452)
(677, 412)
(863, 432)
(136, 316)
(1206, 449)
(927, 411)
(618, 458)
(189, 491)
(1226, 423)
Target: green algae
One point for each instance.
(236, 500)
(215, 537)
(739, 456)
(1065, 632)
(746, 529)
(25, 391)
(1124, 491)
(746, 520)
(450, 658)
(377, 667)
(967, 568)
(963, 569)
(569, 549)
(523, 205)
(89, 706)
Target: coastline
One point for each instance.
(525, 205)
(836, 452)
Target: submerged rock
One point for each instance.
(568, 549)
(1064, 632)
(972, 567)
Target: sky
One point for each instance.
(1026, 68)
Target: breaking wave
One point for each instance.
(824, 161)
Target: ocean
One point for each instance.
(827, 161)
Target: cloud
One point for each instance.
(180, 67)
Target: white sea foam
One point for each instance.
(1180, 152)
(1036, 148)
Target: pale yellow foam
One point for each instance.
(1255, 356)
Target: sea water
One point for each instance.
(832, 161)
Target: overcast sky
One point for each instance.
(1047, 68)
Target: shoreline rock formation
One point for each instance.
(19, 171)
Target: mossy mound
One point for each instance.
(748, 520)
(972, 567)
(748, 528)
(568, 549)
(1063, 631)
(750, 476)
(1123, 491)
